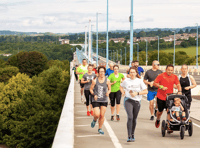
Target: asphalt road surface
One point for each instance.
(146, 134)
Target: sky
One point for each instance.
(71, 16)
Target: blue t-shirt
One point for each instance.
(140, 70)
(108, 72)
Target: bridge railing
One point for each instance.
(64, 137)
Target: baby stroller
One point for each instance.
(177, 125)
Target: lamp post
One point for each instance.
(113, 56)
(174, 49)
(125, 55)
(137, 52)
(158, 48)
(121, 56)
(197, 49)
(85, 39)
(107, 40)
(146, 52)
(131, 32)
(117, 55)
(97, 38)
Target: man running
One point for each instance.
(100, 89)
(165, 83)
(115, 81)
(87, 81)
(109, 70)
(132, 64)
(187, 83)
(81, 70)
(133, 88)
(149, 78)
(140, 69)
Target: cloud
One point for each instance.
(14, 3)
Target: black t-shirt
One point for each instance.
(151, 75)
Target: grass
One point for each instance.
(190, 50)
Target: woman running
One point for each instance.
(100, 88)
(115, 81)
(87, 81)
(133, 88)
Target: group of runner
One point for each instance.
(101, 85)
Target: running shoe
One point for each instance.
(129, 139)
(91, 112)
(112, 118)
(184, 118)
(88, 113)
(155, 112)
(133, 138)
(157, 123)
(100, 131)
(117, 117)
(93, 123)
(152, 118)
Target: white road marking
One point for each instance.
(84, 117)
(84, 125)
(196, 124)
(89, 135)
(112, 135)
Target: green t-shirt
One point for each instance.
(82, 68)
(115, 87)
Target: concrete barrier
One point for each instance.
(64, 137)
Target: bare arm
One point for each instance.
(194, 84)
(181, 107)
(109, 87)
(147, 82)
(83, 82)
(92, 86)
(144, 92)
(122, 91)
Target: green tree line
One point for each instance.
(32, 94)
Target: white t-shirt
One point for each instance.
(175, 108)
(136, 85)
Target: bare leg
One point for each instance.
(101, 118)
(159, 115)
(112, 110)
(118, 108)
(151, 107)
(96, 113)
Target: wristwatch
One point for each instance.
(138, 93)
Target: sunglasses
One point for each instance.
(157, 64)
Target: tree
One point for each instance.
(32, 63)
(7, 72)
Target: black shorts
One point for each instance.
(161, 105)
(82, 85)
(99, 104)
(115, 96)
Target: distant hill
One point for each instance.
(8, 32)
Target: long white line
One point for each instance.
(112, 135)
(84, 125)
(196, 124)
(83, 117)
(89, 135)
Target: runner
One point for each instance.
(115, 80)
(94, 69)
(149, 78)
(130, 65)
(75, 68)
(140, 69)
(165, 83)
(187, 83)
(100, 88)
(81, 70)
(87, 81)
(109, 70)
(133, 88)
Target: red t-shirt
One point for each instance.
(94, 70)
(166, 81)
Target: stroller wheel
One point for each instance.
(182, 131)
(190, 128)
(163, 128)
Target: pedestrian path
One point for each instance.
(116, 132)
